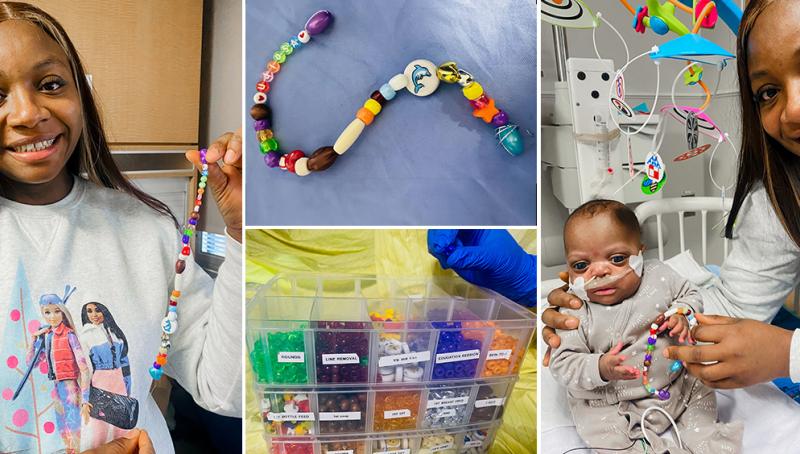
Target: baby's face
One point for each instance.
(600, 246)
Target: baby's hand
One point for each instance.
(677, 324)
(611, 367)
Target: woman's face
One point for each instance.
(94, 314)
(40, 112)
(774, 68)
(52, 315)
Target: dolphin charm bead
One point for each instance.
(421, 77)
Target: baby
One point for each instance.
(612, 364)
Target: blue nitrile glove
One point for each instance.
(489, 258)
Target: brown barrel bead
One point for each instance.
(377, 96)
(261, 112)
(322, 159)
(180, 265)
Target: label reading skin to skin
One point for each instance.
(498, 401)
(442, 447)
(446, 413)
(291, 357)
(450, 402)
(452, 357)
(290, 416)
(340, 358)
(473, 444)
(499, 354)
(394, 414)
(340, 416)
(408, 358)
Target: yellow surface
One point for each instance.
(400, 253)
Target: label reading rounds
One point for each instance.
(291, 357)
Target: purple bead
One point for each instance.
(651, 341)
(648, 357)
(663, 394)
(272, 159)
(185, 239)
(193, 221)
(500, 119)
(260, 125)
(319, 22)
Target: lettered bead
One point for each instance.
(301, 167)
(398, 82)
(387, 92)
(304, 37)
(365, 115)
(260, 98)
(286, 48)
(262, 86)
(267, 76)
(279, 56)
(321, 159)
(373, 106)
(472, 91)
(273, 67)
(348, 136)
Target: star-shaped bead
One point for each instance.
(487, 112)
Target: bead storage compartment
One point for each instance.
(446, 406)
(489, 402)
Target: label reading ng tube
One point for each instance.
(452, 357)
(340, 358)
(291, 357)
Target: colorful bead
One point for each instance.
(421, 78)
(509, 137)
(301, 167)
(262, 86)
(264, 146)
(487, 112)
(348, 137)
(479, 102)
(373, 106)
(267, 76)
(264, 134)
(273, 66)
(295, 43)
(343, 338)
(378, 97)
(365, 115)
(271, 158)
(291, 158)
(472, 91)
(185, 250)
(500, 119)
(304, 37)
(322, 159)
(387, 92)
(272, 144)
(156, 373)
(318, 22)
(260, 125)
(398, 82)
(279, 56)
(390, 404)
(286, 48)
(260, 112)
(260, 98)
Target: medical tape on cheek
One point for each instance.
(636, 262)
(578, 288)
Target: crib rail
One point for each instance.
(680, 206)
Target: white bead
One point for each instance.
(282, 162)
(421, 77)
(304, 37)
(398, 82)
(177, 282)
(196, 210)
(348, 136)
(169, 326)
(301, 167)
(260, 98)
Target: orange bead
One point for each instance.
(176, 293)
(365, 115)
(162, 360)
(273, 66)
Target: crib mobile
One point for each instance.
(689, 46)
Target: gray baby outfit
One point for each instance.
(608, 414)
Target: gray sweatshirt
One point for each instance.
(575, 363)
(120, 253)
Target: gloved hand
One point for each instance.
(489, 258)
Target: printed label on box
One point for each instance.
(450, 402)
(398, 451)
(394, 414)
(408, 358)
(441, 447)
(499, 354)
(290, 416)
(452, 357)
(446, 413)
(340, 358)
(498, 401)
(473, 444)
(291, 357)
(347, 451)
(340, 416)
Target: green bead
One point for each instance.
(264, 146)
(285, 372)
(188, 232)
(202, 185)
(272, 144)
(287, 49)
(203, 178)
(279, 57)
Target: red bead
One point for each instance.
(480, 102)
(173, 303)
(292, 157)
(186, 250)
(262, 87)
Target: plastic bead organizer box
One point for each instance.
(358, 365)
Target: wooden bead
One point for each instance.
(321, 159)
(301, 167)
(365, 115)
(261, 112)
(348, 137)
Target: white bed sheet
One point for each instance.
(771, 419)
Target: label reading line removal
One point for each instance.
(291, 357)
(498, 401)
(340, 358)
(340, 416)
(452, 357)
(408, 358)
(450, 402)
(499, 354)
(394, 414)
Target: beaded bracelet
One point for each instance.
(663, 394)
(421, 78)
(169, 324)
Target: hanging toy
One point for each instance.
(692, 153)
(691, 130)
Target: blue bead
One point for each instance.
(185, 239)
(387, 92)
(676, 366)
(173, 309)
(510, 139)
(156, 373)
(193, 221)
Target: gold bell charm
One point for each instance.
(448, 72)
